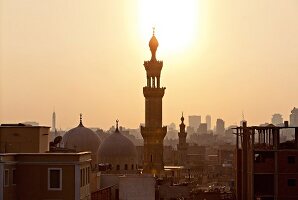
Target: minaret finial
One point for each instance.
(81, 120)
(117, 123)
(182, 118)
(153, 44)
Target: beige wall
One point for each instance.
(24, 139)
(32, 175)
(9, 192)
(33, 182)
(135, 187)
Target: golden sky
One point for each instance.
(220, 58)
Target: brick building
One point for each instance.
(266, 166)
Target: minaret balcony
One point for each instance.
(148, 132)
(153, 92)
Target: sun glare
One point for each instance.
(174, 22)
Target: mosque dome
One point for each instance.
(118, 151)
(81, 138)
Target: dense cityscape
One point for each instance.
(196, 157)
(193, 162)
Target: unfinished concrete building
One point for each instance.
(266, 162)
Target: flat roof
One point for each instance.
(48, 154)
(265, 127)
(173, 167)
(21, 125)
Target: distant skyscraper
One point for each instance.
(53, 122)
(294, 117)
(220, 126)
(202, 128)
(208, 122)
(190, 130)
(194, 121)
(153, 132)
(277, 119)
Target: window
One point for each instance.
(81, 177)
(14, 176)
(84, 176)
(291, 159)
(125, 167)
(132, 167)
(118, 167)
(291, 182)
(6, 177)
(87, 175)
(54, 179)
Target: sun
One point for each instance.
(175, 22)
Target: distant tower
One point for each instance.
(277, 119)
(220, 126)
(182, 145)
(54, 132)
(194, 121)
(153, 132)
(54, 122)
(208, 122)
(294, 117)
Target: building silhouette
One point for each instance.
(53, 122)
(294, 117)
(194, 121)
(277, 119)
(54, 132)
(153, 132)
(220, 126)
(202, 128)
(266, 166)
(29, 171)
(182, 145)
(208, 122)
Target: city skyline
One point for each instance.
(81, 58)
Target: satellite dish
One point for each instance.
(57, 140)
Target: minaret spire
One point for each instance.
(117, 128)
(182, 145)
(81, 120)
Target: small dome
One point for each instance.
(119, 152)
(82, 139)
(117, 145)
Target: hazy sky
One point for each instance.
(87, 57)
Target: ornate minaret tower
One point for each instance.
(153, 132)
(182, 146)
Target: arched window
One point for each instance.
(126, 167)
(131, 166)
(118, 167)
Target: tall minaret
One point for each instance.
(182, 145)
(153, 132)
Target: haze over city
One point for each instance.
(220, 58)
